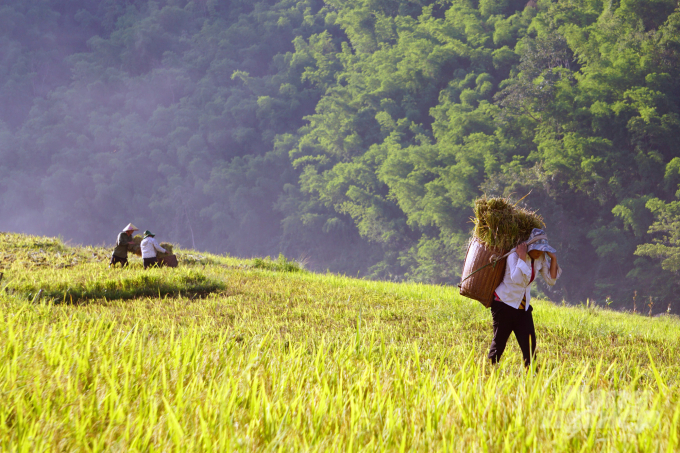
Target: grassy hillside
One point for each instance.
(223, 354)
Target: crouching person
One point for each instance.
(511, 308)
(149, 248)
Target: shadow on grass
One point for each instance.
(113, 286)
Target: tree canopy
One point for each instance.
(352, 134)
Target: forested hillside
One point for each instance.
(352, 134)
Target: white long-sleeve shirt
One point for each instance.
(149, 247)
(517, 280)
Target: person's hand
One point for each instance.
(552, 255)
(522, 251)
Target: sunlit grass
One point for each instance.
(300, 361)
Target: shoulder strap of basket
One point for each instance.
(493, 263)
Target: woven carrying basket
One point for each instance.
(169, 261)
(481, 286)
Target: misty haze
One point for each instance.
(352, 136)
(340, 226)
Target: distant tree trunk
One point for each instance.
(193, 242)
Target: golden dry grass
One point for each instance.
(306, 362)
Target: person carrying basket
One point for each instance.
(511, 307)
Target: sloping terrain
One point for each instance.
(236, 355)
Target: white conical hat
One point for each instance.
(130, 227)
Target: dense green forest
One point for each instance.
(351, 134)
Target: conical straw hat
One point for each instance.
(130, 227)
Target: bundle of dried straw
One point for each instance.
(501, 224)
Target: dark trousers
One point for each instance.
(507, 320)
(117, 259)
(150, 262)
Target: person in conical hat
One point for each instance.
(124, 244)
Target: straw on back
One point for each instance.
(500, 224)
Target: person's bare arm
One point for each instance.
(553, 265)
